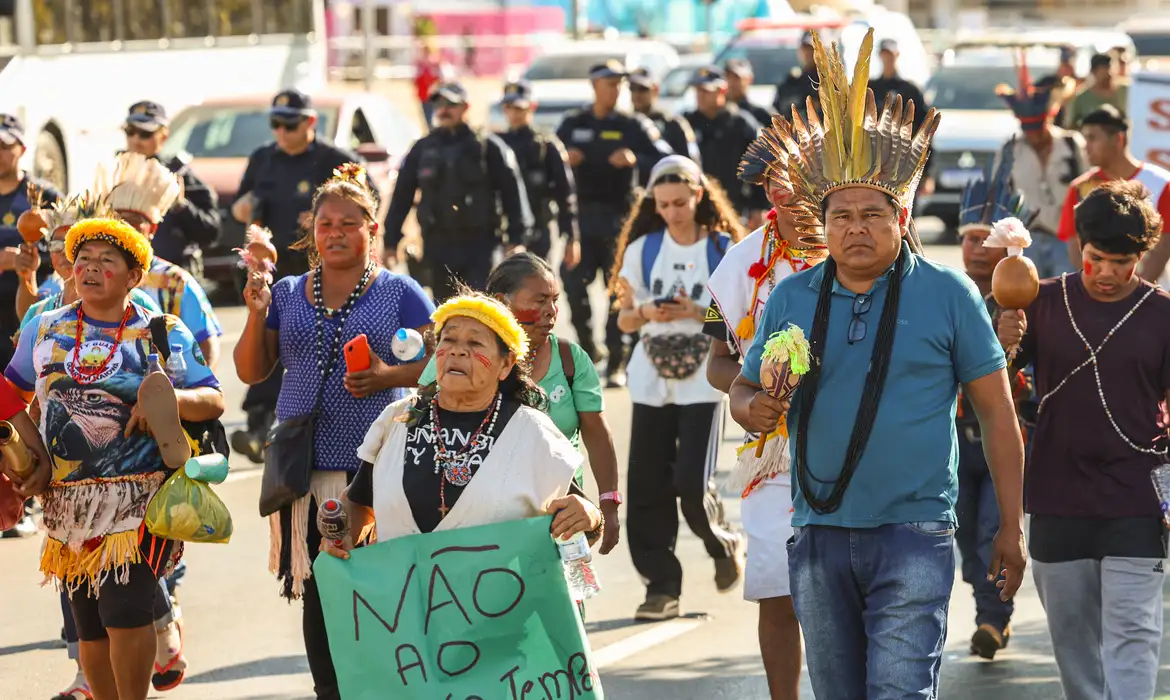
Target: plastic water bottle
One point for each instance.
(1161, 478)
(152, 363)
(177, 366)
(332, 521)
(575, 557)
(407, 345)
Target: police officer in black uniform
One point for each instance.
(194, 223)
(800, 84)
(465, 176)
(548, 181)
(724, 132)
(277, 192)
(891, 82)
(740, 76)
(610, 151)
(14, 201)
(675, 130)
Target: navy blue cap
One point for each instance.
(890, 45)
(290, 104)
(806, 39)
(643, 78)
(709, 78)
(610, 69)
(450, 91)
(11, 130)
(147, 115)
(518, 93)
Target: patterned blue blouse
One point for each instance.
(392, 301)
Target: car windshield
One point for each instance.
(230, 131)
(1151, 44)
(568, 66)
(677, 81)
(772, 57)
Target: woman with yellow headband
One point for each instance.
(88, 363)
(298, 328)
(479, 426)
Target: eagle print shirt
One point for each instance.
(84, 418)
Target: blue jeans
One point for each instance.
(978, 514)
(1050, 255)
(872, 604)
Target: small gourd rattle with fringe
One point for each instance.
(787, 357)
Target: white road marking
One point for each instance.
(638, 643)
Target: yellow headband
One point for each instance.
(490, 313)
(117, 233)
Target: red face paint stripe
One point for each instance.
(109, 275)
(440, 353)
(482, 359)
(527, 316)
(1088, 268)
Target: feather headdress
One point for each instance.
(852, 145)
(1033, 103)
(135, 183)
(66, 212)
(992, 197)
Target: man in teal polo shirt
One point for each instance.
(874, 448)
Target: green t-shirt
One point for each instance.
(1088, 101)
(564, 404)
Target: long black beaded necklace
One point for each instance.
(321, 311)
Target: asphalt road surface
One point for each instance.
(244, 642)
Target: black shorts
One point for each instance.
(126, 605)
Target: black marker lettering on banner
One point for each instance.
(457, 657)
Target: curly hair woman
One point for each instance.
(670, 244)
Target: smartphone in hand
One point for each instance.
(357, 354)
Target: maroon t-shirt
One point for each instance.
(1079, 465)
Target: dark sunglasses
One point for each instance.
(858, 327)
(286, 124)
(134, 132)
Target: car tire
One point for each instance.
(49, 160)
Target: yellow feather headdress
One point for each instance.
(852, 145)
(490, 313)
(139, 184)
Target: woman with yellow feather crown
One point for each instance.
(892, 336)
(141, 191)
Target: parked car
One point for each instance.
(219, 135)
(560, 77)
(975, 120)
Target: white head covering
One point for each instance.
(674, 165)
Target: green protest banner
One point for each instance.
(480, 613)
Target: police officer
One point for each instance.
(891, 82)
(740, 76)
(548, 181)
(14, 201)
(609, 151)
(724, 132)
(277, 192)
(194, 222)
(675, 130)
(800, 84)
(464, 176)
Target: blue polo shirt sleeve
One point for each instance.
(975, 350)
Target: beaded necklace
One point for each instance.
(1096, 371)
(456, 467)
(774, 249)
(322, 311)
(83, 374)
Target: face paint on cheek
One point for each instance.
(482, 359)
(527, 317)
(441, 352)
(1088, 268)
(109, 275)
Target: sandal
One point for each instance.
(157, 396)
(171, 675)
(78, 693)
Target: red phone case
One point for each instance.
(357, 354)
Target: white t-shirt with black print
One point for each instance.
(677, 270)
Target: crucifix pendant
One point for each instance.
(443, 510)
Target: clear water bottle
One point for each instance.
(152, 363)
(575, 558)
(177, 366)
(1161, 478)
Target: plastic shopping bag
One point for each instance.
(188, 511)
